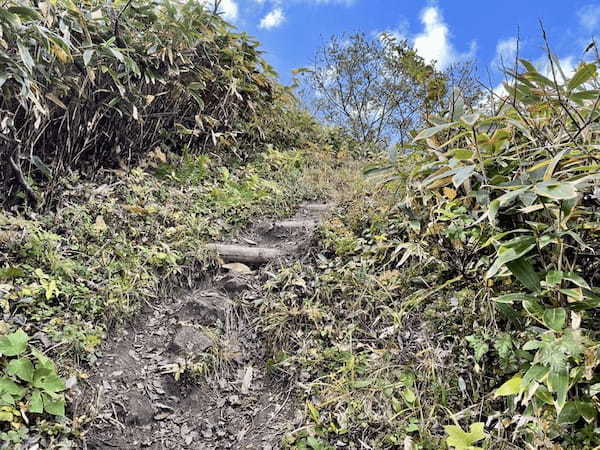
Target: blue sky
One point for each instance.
(445, 30)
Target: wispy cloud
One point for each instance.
(273, 19)
(589, 17)
(506, 52)
(277, 16)
(434, 44)
(567, 67)
(229, 8)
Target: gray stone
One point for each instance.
(139, 409)
(190, 340)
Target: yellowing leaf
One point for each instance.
(462, 440)
(56, 101)
(314, 413)
(449, 193)
(100, 225)
(511, 387)
(137, 210)
(50, 288)
(61, 54)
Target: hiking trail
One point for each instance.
(133, 395)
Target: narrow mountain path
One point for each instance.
(190, 372)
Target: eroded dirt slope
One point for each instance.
(142, 396)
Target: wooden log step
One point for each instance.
(250, 255)
(295, 224)
(317, 207)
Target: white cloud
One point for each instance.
(228, 8)
(500, 90)
(506, 52)
(318, 2)
(273, 19)
(589, 17)
(433, 43)
(567, 64)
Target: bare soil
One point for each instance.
(134, 397)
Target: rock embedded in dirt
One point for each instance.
(190, 340)
(205, 309)
(234, 283)
(139, 409)
(237, 267)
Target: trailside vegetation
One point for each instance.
(94, 85)
(454, 299)
(131, 133)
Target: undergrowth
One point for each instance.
(67, 278)
(453, 303)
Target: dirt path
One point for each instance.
(190, 372)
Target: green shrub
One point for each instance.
(510, 199)
(97, 84)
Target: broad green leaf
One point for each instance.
(429, 132)
(462, 154)
(579, 96)
(461, 440)
(43, 360)
(25, 56)
(314, 413)
(533, 307)
(583, 74)
(574, 410)
(409, 396)
(24, 13)
(35, 402)
(556, 190)
(554, 277)
(523, 270)
(47, 380)
(594, 389)
(535, 372)
(87, 56)
(510, 251)
(513, 297)
(558, 382)
(22, 368)
(555, 318)
(13, 344)
(540, 79)
(576, 279)
(528, 65)
(511, 387)
(531, 345)
(542, 393)
(461, 174)
(8, 386)
(470, 119)
(55, 406)
(550, 169)
(3, 77)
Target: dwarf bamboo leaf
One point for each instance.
(555, 318)
(556, 190)
(583, 74)
(429, 132)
